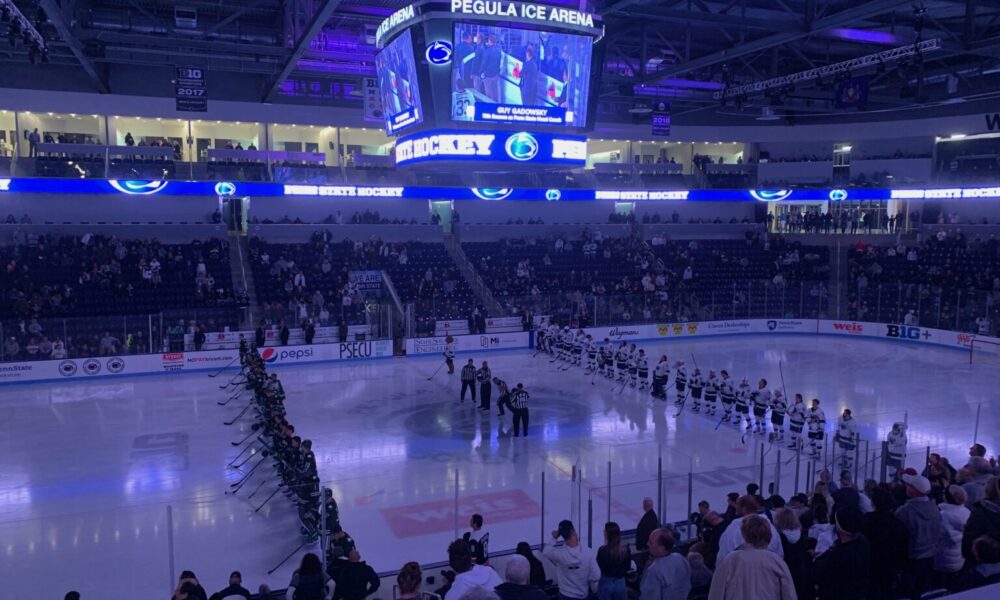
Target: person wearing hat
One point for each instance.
(843, 571)
(922, 520)
(234, 590)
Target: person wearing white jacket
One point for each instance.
(948, 558)
(468, 576)
(576, 565)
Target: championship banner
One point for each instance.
(661, 118)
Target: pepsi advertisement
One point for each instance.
(517, 76)
(396, 70)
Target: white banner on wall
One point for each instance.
(468, 343)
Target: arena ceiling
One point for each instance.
(690, 52)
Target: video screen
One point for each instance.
(506, 75)
(397, 83)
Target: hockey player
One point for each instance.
(633, 365)
(591, 346)
(816, 419)
(642, 363)
(847, 439)
(728, 396)
(552, 340)
(621, 361)
(660, 376)
(896, 456)
(761, 400)
(604, 357)
(697, 384)
(541, 335)
(796, 419)
(503, 396)
(778, 407)
(565, 344)
(579, 346)
(449, 353)
(711, 393)
(680, 383)
(743, 405)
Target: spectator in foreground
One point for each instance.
(537, 568)
(576, 566)
(647, 524)
(986, 553)
(732, 538)
(518, 586)
(72, 596)
(356, 579)
(842, 572)
(923, 528)
(234, 590)
(188, 588)
(408, 581)
(468, 576)
(309, 582)
(668, 575)
(887, 537)
(984, 519)
(614, 560)
(753, 570)
(948, 559)
(795, 547)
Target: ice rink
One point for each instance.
(92, 473)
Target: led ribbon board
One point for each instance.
(521, 147)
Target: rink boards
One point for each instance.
(118, 366)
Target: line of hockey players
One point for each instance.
(741, 403)
(293, 460)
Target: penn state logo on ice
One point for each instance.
(521, 147)
(438, 53)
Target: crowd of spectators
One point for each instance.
(948, 281)
(841, 220)
(933, 531)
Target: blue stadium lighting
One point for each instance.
(138, 188)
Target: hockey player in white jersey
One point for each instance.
(796, 420)
(760, 398)
(661, 374)
(642, 363)
(847, 439)
(727, 393)
(896, 455)
(816, 420)
(697, 384)
(778, 408)
(591, 349)
(711, 393)
(680, 382)
(633, 365)
(579, 346)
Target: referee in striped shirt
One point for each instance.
(519, 400)
(468, 381)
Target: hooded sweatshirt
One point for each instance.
(923, 526)
(576, 568)
(476, 577)
(983, 520)
(948, 558)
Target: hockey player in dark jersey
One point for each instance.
(778, 408)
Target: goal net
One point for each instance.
(984, 352)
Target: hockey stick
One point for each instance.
(680, 407)
(235, 358)
(242, 412)
(782, 373)
(436, 372)
(241, 442)
(259, 485)
(231, 398)
(244, 461)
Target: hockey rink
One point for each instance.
(93, 474)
